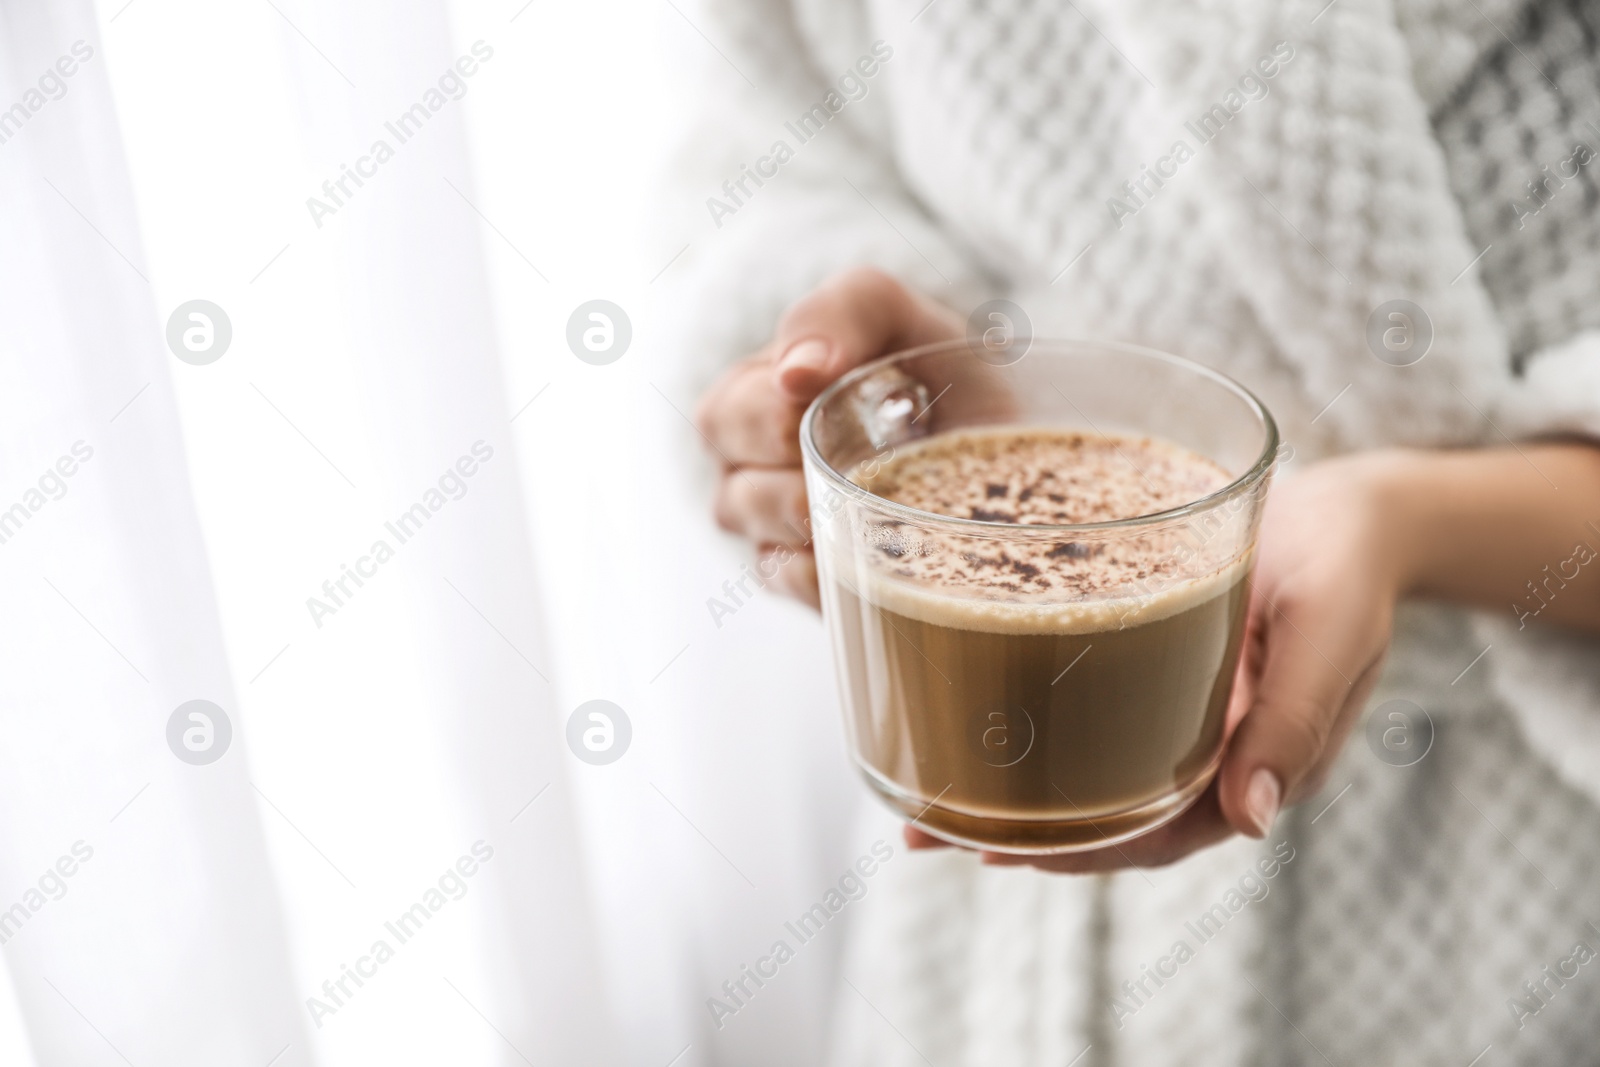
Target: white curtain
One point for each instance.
(421, 723)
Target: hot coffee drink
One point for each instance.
(1036, 693)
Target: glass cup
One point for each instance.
(1036, 721)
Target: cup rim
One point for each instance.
(1255, 473)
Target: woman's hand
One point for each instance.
(1340, 545)
(750, 417)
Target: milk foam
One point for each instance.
(1047, 584)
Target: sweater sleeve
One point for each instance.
(787, 174)
(1523, 159)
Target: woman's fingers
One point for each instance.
(918, 840)
(1199, 827)
(794, 572)
(1252, 653)
(1309, 674)
(851, 318)
(1344, 722)
(764, 504)
(750, 417)
(747, 421)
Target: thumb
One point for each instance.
(853, 317)
(1281, 739)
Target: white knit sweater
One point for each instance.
(1332, 159)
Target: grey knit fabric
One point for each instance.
(1427, 894)
(1529, 112)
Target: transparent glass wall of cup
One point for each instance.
(1040, 723)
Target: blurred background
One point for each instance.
(402, 738)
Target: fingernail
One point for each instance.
(810, 354)
(1262, 800)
